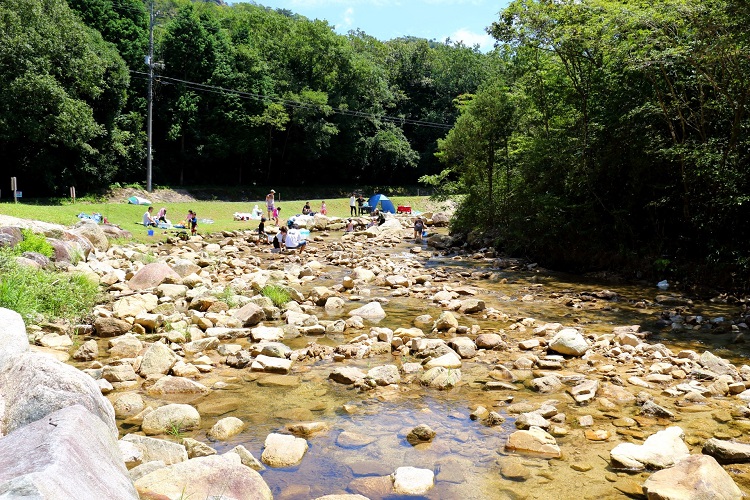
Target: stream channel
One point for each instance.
(467, 456)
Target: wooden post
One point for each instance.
(73, 193)
(13, 187)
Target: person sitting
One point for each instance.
(162, 215)
(349, 226)
(148, 219)
(294, 240)
(279, 240)
(373, 219)
(381, 218)
(262, 231)
(306, 209)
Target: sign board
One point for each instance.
(19, 194)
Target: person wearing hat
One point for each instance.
(270, 203)
(418, 228)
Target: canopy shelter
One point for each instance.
(386, 205)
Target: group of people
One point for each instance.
(149, 220)
(357, 205)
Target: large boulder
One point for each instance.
(13, 337)
(216, 476)
(693, 477)
(93, 233)
(34, 385)
(153, 275)
(660, 450)
(69, 454)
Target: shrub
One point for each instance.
(33, 242)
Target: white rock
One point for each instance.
(413, 481)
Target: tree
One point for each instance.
(478, 145)
(63, 89)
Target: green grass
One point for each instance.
(227, 296)
(277, 294)
(221, 212)
(40, 294)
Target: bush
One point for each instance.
(33, 242)
(37, 294)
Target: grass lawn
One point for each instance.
(129, 216)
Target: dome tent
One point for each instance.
(386, 205)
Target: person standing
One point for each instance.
(353, 205)
(360, 204)
(418, 229)
(192, 222)
(262, 231)
(270, 203)
(323, 208)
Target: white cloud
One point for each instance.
(347, 19)
(470, 39)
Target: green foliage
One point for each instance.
(227, 296)
(278, 294)
(33, 242)
(40, 294)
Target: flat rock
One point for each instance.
(534, 441)
(728, 452)
(693, 477)
(413, 481)
(660, 450)
(205, 477)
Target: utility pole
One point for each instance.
(150, 92)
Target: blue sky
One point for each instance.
(461, 20)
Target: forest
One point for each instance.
(598, 134)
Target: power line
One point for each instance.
(201, 87)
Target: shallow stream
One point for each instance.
(467, 456)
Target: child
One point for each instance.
(275, 213)
(418, 228)
(278, 240)
(323, 208)
(262, 231)
(350, 226)
(192, 222)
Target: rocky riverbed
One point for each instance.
(401, 369)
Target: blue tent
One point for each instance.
(386, 205)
